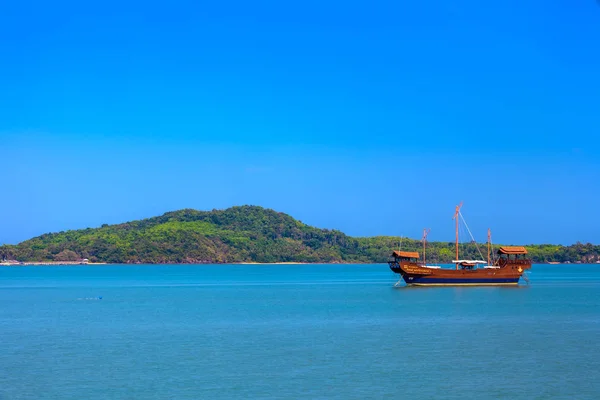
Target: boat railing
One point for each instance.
(523, 261)
(505, 261)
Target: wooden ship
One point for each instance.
(504, 269)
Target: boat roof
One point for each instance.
(512, 250)
(470, 261)
(406, 254)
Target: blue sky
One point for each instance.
(372, 117)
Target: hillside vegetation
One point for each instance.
(242, 234)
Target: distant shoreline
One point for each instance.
(285, 262)
(29, 263)
(73, 263)
(77, 263)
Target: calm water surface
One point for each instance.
(306, 331)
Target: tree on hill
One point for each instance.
(67, 255)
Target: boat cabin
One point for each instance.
(468, 264)
(403, 258)
(406, 255)
(410, 256)
(515, 251)
(513, 255)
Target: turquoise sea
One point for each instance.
(294, 331)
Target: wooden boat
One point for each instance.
(507, 268)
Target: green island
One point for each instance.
(245, 234)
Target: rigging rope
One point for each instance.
(468, 230)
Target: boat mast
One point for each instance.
(425, 233)
(456, 218)
(489, 241)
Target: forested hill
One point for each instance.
(242, 234)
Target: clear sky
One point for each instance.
(372, 117)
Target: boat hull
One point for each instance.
(416, 275)
(427, 281)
